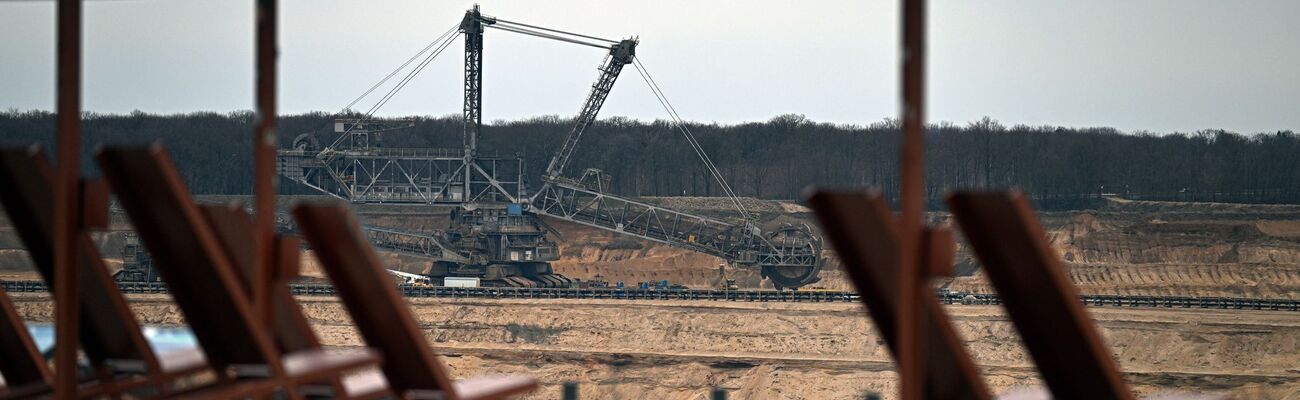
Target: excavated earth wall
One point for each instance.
(1126, 247)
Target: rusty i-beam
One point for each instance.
(66, 204)
(264, 145)
(912, 192)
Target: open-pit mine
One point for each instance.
(640, 348)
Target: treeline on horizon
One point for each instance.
(776, 159)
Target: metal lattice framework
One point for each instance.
(412, 176)
(620, 55)
(427, 246)
(472, 26)
(736, 242)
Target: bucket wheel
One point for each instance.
(794, 259)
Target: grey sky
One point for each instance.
(1174, 65)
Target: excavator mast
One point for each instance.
(472, 27)
(619, 55)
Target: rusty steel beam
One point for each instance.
(186, 253)
(1043, 304)
(410, 366)
(108, 329)
(233, 228)
(912, 192)
(865, 236)
(264, 145)
(66, 199)
(21, 364)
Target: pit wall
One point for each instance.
(1125, 248)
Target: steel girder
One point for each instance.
(738, 243)
(404, 176)
(426, 246)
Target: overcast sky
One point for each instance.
(1173, 65)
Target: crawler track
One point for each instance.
(1222, 303)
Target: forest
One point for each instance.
(1060, 167)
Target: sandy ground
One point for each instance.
(679, 349)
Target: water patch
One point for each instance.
(162, 339)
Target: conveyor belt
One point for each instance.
(1222, 303)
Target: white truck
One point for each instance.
(453, 281)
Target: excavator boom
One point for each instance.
(790, 256)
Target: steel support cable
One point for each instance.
(441, 39)
(547, 36)
(400, 84)
(398, 87)
(383, 100)
(690, 137)
(499, 20)
(409, 77)
(416, 71)
(408, 62)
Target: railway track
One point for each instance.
(1221, 303)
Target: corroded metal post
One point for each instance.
(264, 144)
(66, 204)
(912, 171)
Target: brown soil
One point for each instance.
(679, 349)
(1207, 280)
(1127, 247)
(1175, 249)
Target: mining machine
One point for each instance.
(496, 230)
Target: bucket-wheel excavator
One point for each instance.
(497, 232)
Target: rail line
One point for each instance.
(807, 296)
